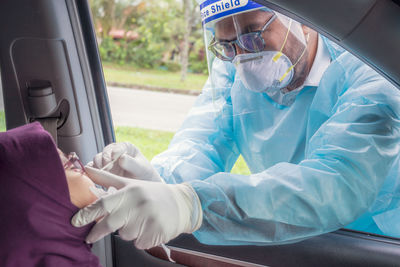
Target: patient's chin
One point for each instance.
(79, 189)
(82, 202)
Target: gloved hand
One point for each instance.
(148, 213)
(125, 159)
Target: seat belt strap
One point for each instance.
(50, 125)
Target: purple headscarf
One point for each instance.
(35, 208)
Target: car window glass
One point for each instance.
(152, 84)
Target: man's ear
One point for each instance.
(313, 35)
(308, 30)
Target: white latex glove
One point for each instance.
(125, 159)
(148, 213)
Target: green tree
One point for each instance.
(190, 11)
(168, 32)
(159, 25)
(112, 14)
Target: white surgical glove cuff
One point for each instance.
(190, 207)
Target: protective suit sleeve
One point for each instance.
(347, 159)
(203, 145)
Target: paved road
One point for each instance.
(147, 109)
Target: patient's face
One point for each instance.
(78, 184)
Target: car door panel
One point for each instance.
(341, 248)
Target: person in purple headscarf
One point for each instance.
(39, 193)
(82, 190)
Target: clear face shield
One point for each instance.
(267, 50)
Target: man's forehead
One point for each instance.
(225, 28)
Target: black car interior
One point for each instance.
(51, 71)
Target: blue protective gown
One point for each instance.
(326, 161)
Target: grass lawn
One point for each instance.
(2, 122)
(150, 142)
(156, 78)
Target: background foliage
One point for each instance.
(158, 28)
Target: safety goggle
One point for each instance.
(251, 42)
(73, 162)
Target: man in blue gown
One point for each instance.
(317, 127)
